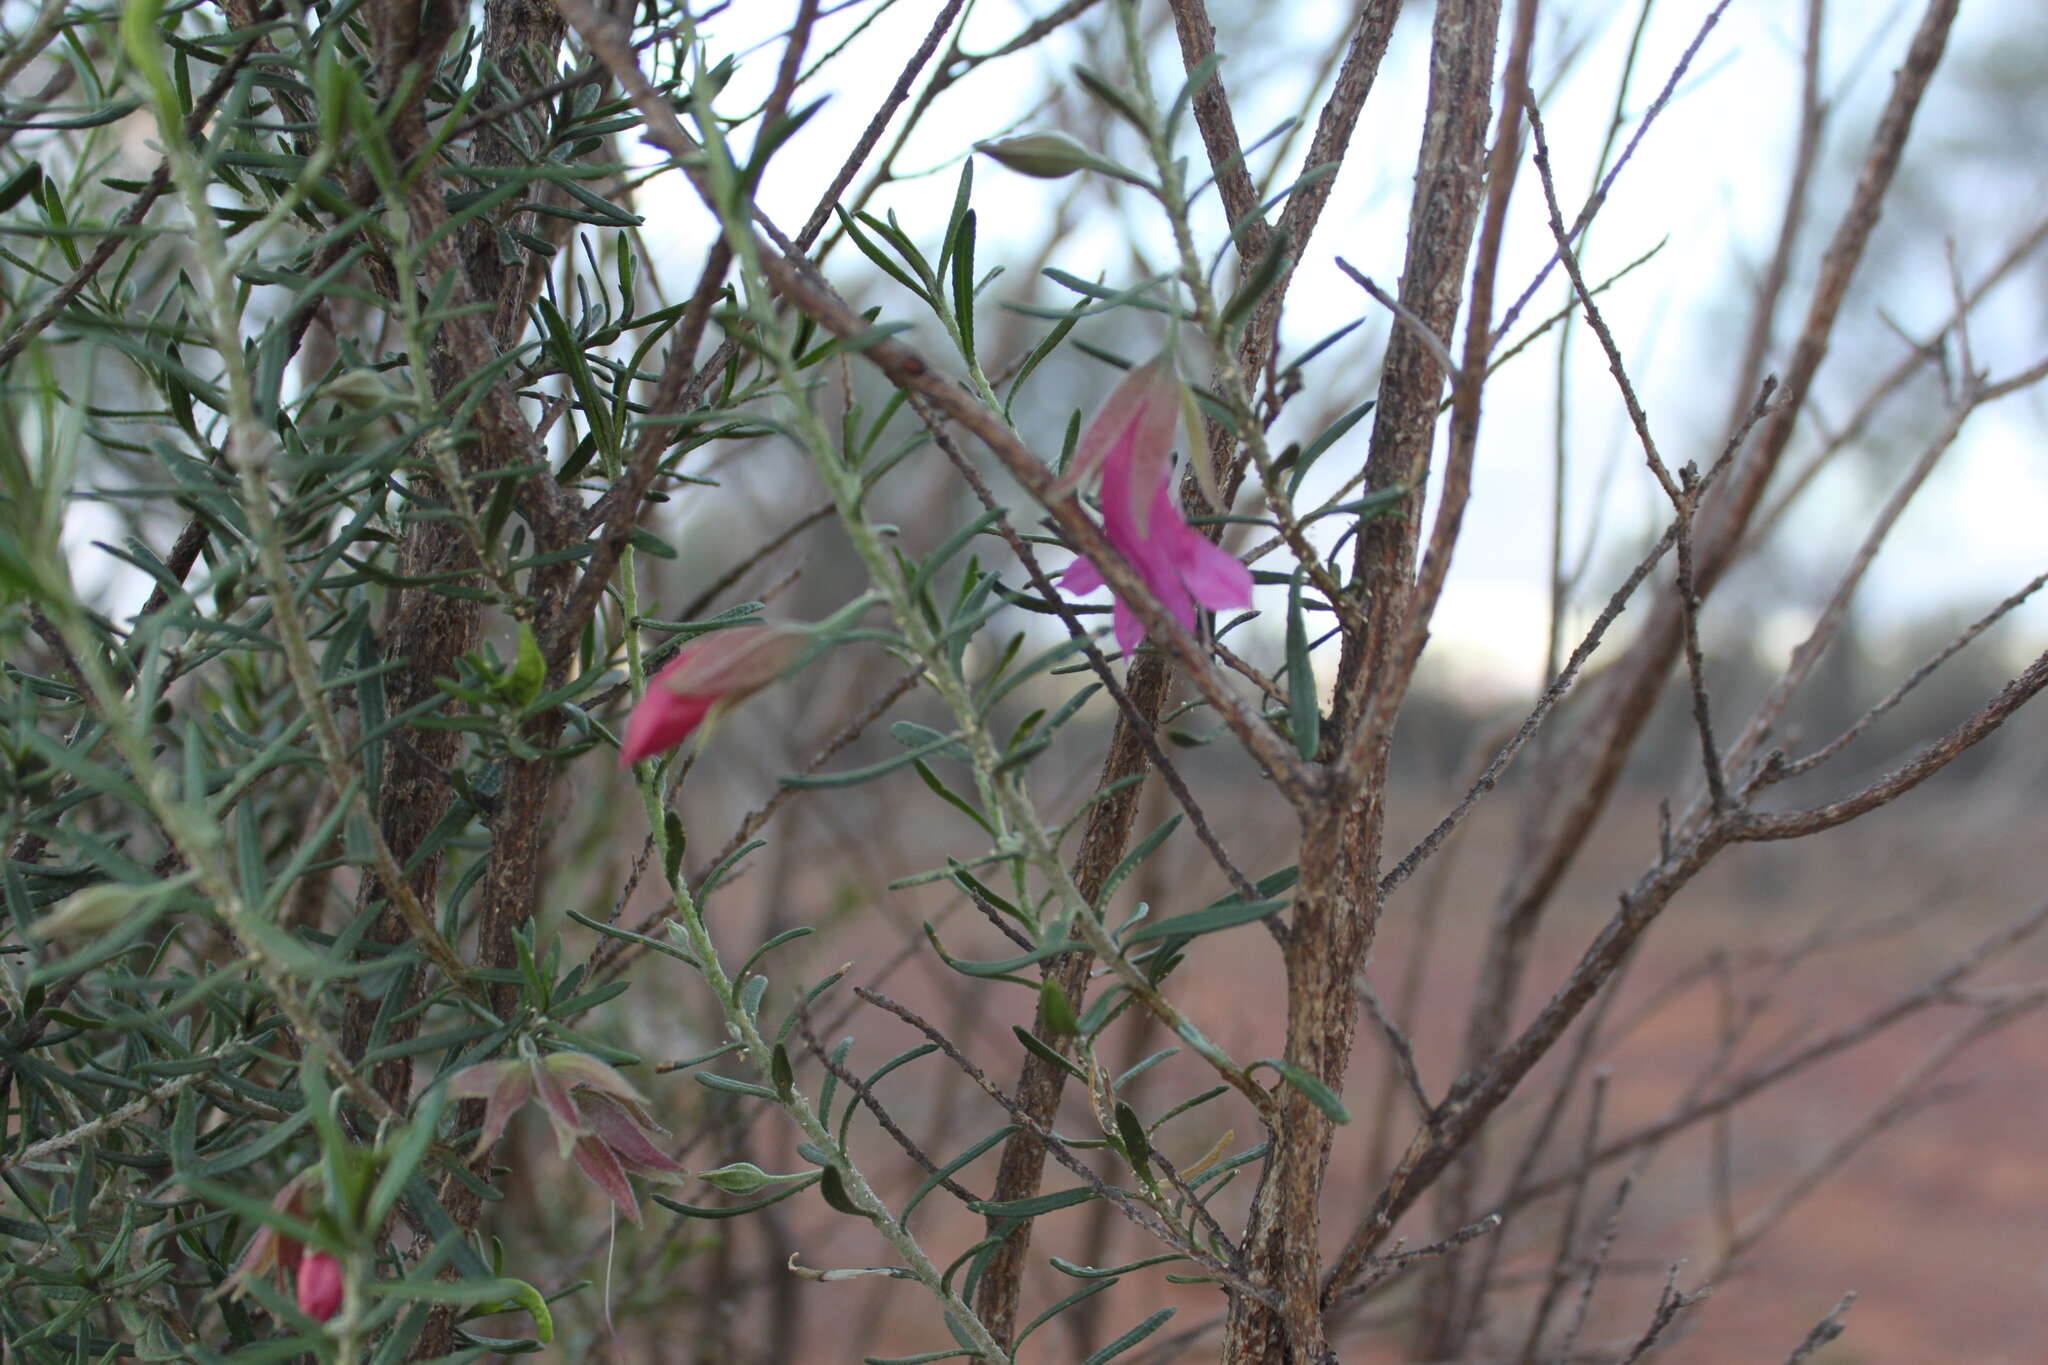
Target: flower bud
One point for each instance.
(711, 673)
(1048, 156)
(320, 1285)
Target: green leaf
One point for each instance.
(1317, 1092)
(1089, 1272)
(1143, 850)
(711, 1080)
(832, 1185)
(1086, 1291)
(1328, 437)
(673, 845)
(1258, 282)
(963, 286)
(1034, 1044)
(628, 936)
(1057, 1010)
(1000, 966)
(482, 1297)
(700, 1211)
(1137, 1146)
(854, 777)
(1117, 100)
(786, 936)
(1227, 914)
(945, 1172)
(1032, 1207)
(1130, 1338)
(950, 797)
(881, 258)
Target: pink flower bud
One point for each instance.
(320, 1287)
(711, 673)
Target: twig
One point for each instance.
(1771, 773)
(1417, 328)
(1923, 765)
(1562, 684)
(1385, 1267)
(1131, 1209)
(1610, 1228)
(1399, 1044)
(1824, 1331)
(1670, 1303)
(1599, 196)
(1568, 1233)
(866, 1096)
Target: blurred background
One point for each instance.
(1940, 1221)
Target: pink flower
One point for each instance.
(711, 673)
(320, 1288)
(1130, 441)
(599, 1120)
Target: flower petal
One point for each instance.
(1134, 424)
(619, 1130)
(482, 1080)
(562, 1113)
(1081, 577)
(515, 1088)
(596, 1161)
(1217, 578)
(735, 662)
(1130, 631)
(709, 672)
(580, 1068)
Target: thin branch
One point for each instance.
(1824, 1331)
(1398, 1043)
(866, 1096)
(1562, 684)
(1417, 328)
(1923, 765)
(1671, 1301)
(1773, 773)
(1130, 1208)
(1610, 1228)
(1598, 198)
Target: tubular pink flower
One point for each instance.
(597, 1117)
(319, 1285)
(711, 673)
(1131, 442)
